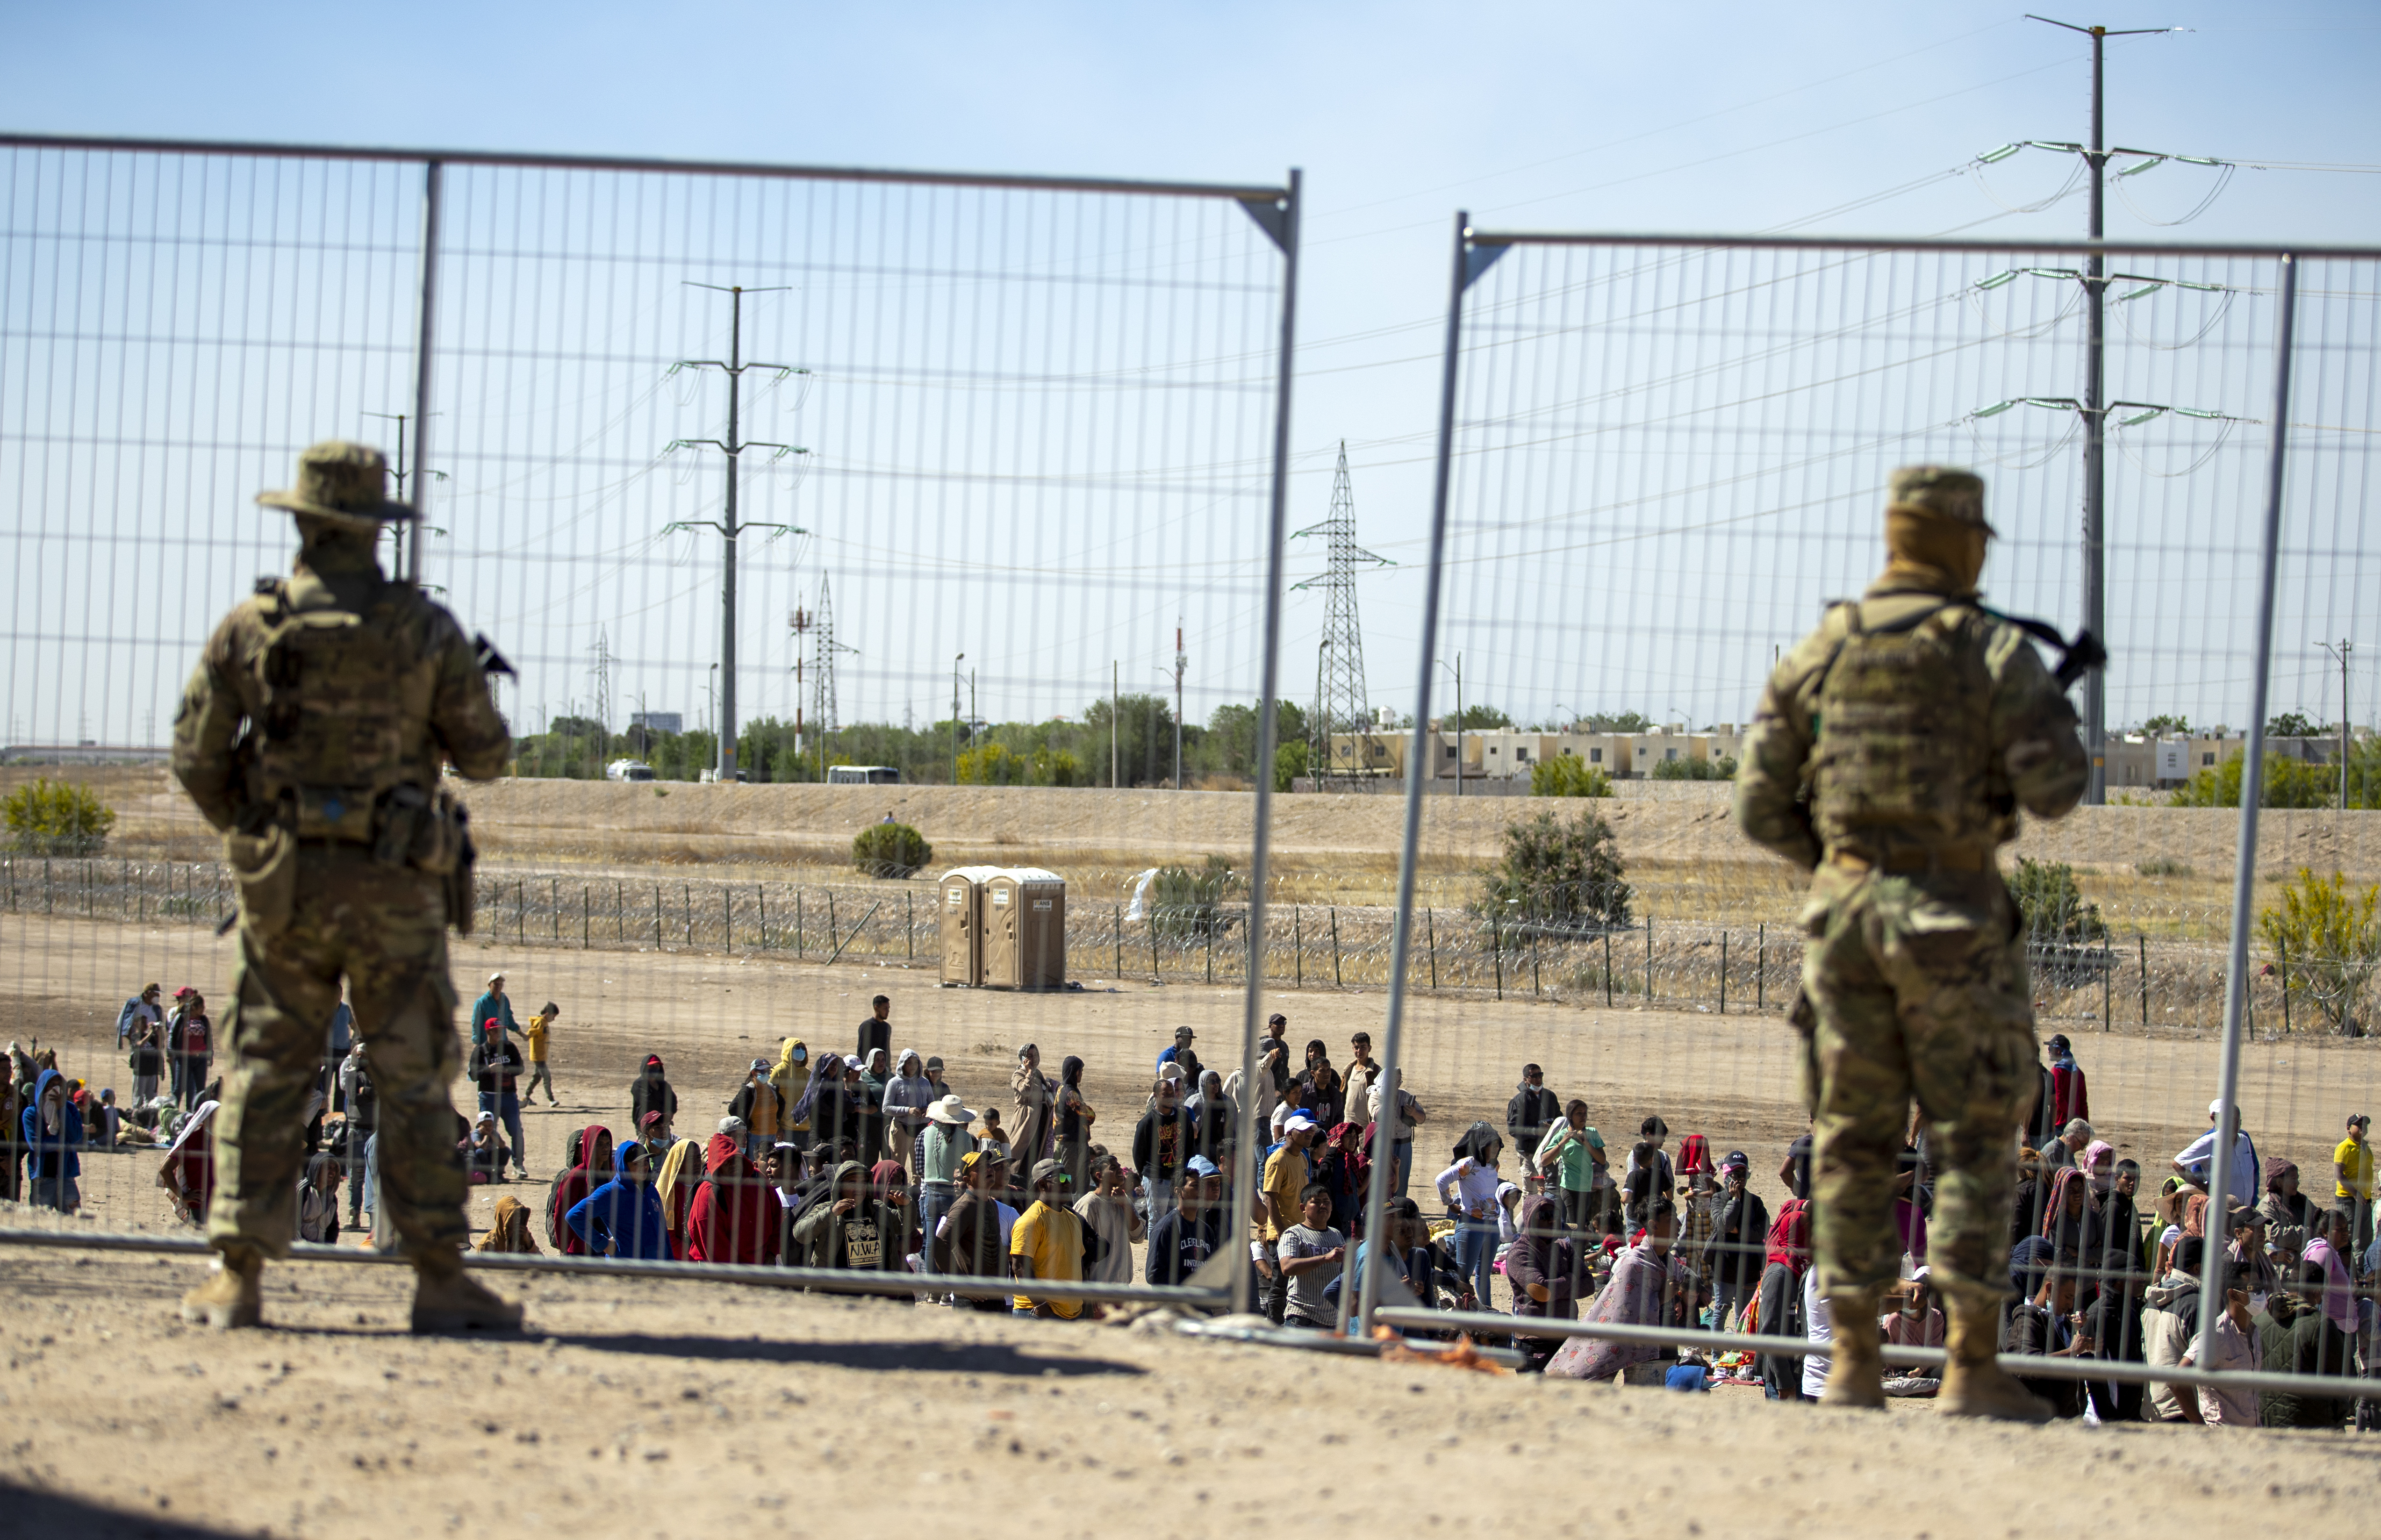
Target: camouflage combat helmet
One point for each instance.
(1939, 492)
(345, 484)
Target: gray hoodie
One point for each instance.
(2170, 1322)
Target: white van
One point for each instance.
(628, 770)
(863, 774)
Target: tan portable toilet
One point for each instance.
(1024, 929)
(959, 905)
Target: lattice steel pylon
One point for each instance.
(1339, 703)
(823, 647)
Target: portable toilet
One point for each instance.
(1024, 929)
(962, 925)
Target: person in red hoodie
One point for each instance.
(590, 1158)
(732, 1217)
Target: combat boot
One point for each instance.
(1973, 1384)
(1855, 1369)
(230, 1298)
(446, 1300)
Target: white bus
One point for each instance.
(863, 774)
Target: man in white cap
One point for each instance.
(2195, 1165)
(492, 1005)
(945, 1142)
(1287, 1172)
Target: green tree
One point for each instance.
(2326, 936)
(1145, 739)
(58, 818)
(1288, 763)
(1231, 737)
(1185, 903)
(1557, 873)
(2163, 727)
(2290, 783)
(1481, 719)
(1720, 769)
(890, 850)
(991, 764)
(2051, 904)
(1568, 775)
(1620, 722)
(2291, 724)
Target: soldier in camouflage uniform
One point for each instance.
(1892, 753)
(312, 735)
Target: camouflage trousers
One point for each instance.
(1919, 991)
(383, 929)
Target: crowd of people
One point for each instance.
(871, 1159)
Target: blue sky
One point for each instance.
(1728, 117)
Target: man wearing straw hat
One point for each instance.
(1892, 753)
(312, 735)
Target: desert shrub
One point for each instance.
(890, 850)
(2053, 905)
(1290, 762)
(2328, 938)
(1558, 875)
(58, 818)
(1568, 775)
(1185, 903)
(1721, 769)
(2162, 866)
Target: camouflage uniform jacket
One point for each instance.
(321, 693)
(1993, 734)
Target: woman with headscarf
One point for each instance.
(729, 1219)
(804, 1118)
(2070, 1223)
(2290, 1217)
(591, 1161)
(875, 1074)
(1321, 1089)
(680, 1169)
(189, 1174)
(509, 1232)
(1034, 1131)
(649, 1092)
(622, 1217)
(1072, 1120)
(318, 1200)
(907, 1096)
(52, 1134)
(791, 1075)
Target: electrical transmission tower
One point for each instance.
(603, 673)
(734, 367)
(1339, 703)
(818, 626)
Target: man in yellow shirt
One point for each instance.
(1287, 1172)
(1046, 1244)
(539, 1025)
(2351, 1166)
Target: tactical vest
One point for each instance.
(343, 712)
(1905, 756)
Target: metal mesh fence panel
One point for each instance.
(810, 509)
(1662, 457)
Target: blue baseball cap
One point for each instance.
(1200, 1166)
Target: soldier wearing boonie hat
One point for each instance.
(1891, 755)
(313, 735)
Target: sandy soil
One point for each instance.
(680, 1409)
(1731, 1078)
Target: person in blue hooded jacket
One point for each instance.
(52, 1132)
(622, 1217)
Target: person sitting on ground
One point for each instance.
(2295, 1337)
(2042, 1325)
(622, 1217)
(2169, 1322)
(1911, 1319)
(1543, 1271)
(484, 1152)
(1188, 1233)
(318, 1201)
(507, 1232)
(1047, 1245)
(1649, 1287)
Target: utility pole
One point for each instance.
(1115, 697)
(729, 530)
(400, 530)
(956, 660)
(1339, 699)
(2095, 416)
(1459, 722)
(2346, 647)
(800, 624)
(1182, 662)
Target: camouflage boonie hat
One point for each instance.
(1939, 492)
(347, 484)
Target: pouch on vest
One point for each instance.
(265, 865)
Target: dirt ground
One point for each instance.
(673, 1409)
(1731, 1078)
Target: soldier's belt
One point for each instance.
(1901, 863)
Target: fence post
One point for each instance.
(49, 898)
(1649, 958)
(1334, 945)
(1723, 973)
(1118, 924)
(142, 890)
(1495, 946)
(128, 884)
(686, 902)
(2282, 957)
(833, 930)
(2107, 984)
(1533, 962)
(909, 921)
(797, 921)
(1761, 967)
(1152, 944)
(1429, 930)
(620, 913)
(586, 917)
(1608, 964)
(657, 917)
(1211, 948)
(1297, 950)
(726, 919)
(760, 907)
(2145, 940)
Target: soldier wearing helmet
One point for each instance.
(313, 734)
(1892, 750)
